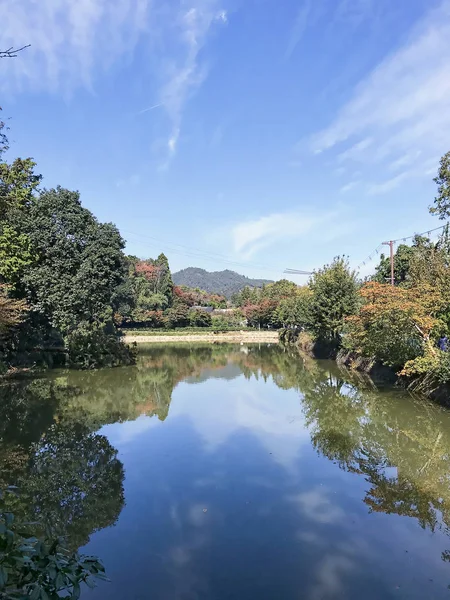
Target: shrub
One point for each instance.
(200, 318)
(91, 347)
(40, 569)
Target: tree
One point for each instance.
(200, 318)
(18, 185)
(279, 289)
(294, 311)
(394, 324)
(261, 314)
(11, 312)
(79, 261)
(12, 52)
(78, 266)
(442, 200)
(334, 297)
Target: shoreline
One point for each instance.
(269, 337)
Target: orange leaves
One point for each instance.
(149, 271)
(418, 304)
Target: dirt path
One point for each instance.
(263, 337)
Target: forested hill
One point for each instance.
(218, 282)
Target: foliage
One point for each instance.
(294, 310)
(199, 318)
(198, 297)
(4, 143)
(402, 259)
(11, 312)
(79, 263)
(177, 316)
(15, 254)
(442, 200)
(261, 314)
(18, 183)
(334, 296)
(38, 568)
(394, 324)
(229, 320)
(91, 346)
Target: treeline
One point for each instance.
(66, 285)
(148, 298)
(404, 326)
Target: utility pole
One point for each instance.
(391, 247)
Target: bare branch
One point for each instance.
(11, 52)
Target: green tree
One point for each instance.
(79, 261)
(294, 311)
(334, 297)
(442, 200)
(18, 184)
(200, 318)
(79, 266)
(165, 284)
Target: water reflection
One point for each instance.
(238, 469)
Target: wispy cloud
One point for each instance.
(402, 107)
(387, 185)
(349, 186)
(249, 237)
(183, 71)
(69, 40)
(351, 13)
(72, 42)
(304, 14)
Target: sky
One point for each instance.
(253, 135)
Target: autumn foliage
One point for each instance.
(394, 324)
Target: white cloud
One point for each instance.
(73, 41)
(251, 236)
(350, 13)
(69, 40)
(402, 106)
(354, 152)
(304, 14)
(183, 72)
(349, 186)
(388, 185)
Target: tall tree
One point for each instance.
(79, 261)
(442, 200)
(334, 297)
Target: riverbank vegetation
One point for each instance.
(374, 323)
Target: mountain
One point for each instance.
(225, 282)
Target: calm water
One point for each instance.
(234, 472)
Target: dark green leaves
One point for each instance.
(35, 569)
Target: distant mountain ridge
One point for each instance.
(225, 282)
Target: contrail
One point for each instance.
(141, 112)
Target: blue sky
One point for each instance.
(245, 134)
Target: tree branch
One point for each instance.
(11, 52)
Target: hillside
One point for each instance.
(218, 282)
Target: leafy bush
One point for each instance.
(37, 569)
(91, 347)
(394, 324)
(200, 318)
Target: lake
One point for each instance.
(240, 472)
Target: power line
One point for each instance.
(198, 253)
(410, 237)
(402, 239)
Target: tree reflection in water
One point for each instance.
(71, 478)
